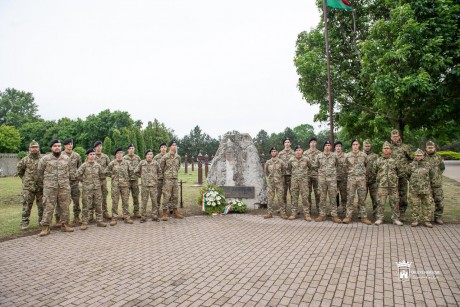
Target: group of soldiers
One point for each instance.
(53, 181)
(336, 177)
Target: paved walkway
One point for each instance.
(235, 260)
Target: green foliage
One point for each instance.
(237, 206)
(204, 189)
(217, 209)
(449, 155)
(17, 108)
(10, 139)
(107, 147)
(22, 154)
(81, 151)
(197, 142)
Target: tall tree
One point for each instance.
(10, 139)
(17, 108)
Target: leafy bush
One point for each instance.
(449, 155)
(22, 154)
(211, 199)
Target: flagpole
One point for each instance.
(329, 83)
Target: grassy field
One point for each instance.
(10, 204)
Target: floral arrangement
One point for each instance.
(236, 206)
(211, 199)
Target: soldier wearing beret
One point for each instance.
(157, 158)
(275, 170)
(341, 177)
(32, 187)
(371, 180)
(170, 165)
(299, 167)
(437, 164)
(133, 160)
(103, 160)
(312, 153)
(285, 155)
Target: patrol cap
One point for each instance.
(273, 148)
(337, 143)
(97, 143)
(395, 132)
(67, 141)
(130, 145)
(117, 150)
(297, 147)
(354, 140)
(90, 150)
(162, 144)
(33, 144)
(386, 145)
(419, 152)
(313, 138)
(147, 151)
(285, 139)
(55, 141)
(366, 142)
(430, 143)
(172, 142)
(325, 143)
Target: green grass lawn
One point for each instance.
(10, 204)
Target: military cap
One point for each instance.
(90, 150)
(325, 143)
(337, 143)
(430, 143)
(366, 142)
(354, 140)
(67, 141)
(312, 139)
(395, 132)
(172, 142)
(117, 150)
(130, 145)
(54, 142)
(33, 144)
(147, 151)
(97, 144)
(297, 147)
(285, 139)
(162, 144)
(386, 145)
(273, 148)
(419, 152)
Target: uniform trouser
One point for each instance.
(134, 189)
(371, 190)
(91, 198)
(75, 196)
(327, 188)
(276, 189)
(170, 193)
(299, 187)
(356, 187)
(342, 191)
(146, 192)
(313, 187)
(392, 195)
(118, 191)
(421, 207)
(55, 198)
(438, 197)
(159, 192)
(28, 198)
(105, 192)
(402, 190)
(286, 187)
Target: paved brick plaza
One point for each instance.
(238, 260)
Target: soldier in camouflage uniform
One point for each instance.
(133, 161)
(54, 171)
(32, 187)
(170, 165)
(312, 154)
(90, 174)
(120, 171)
(371, 182)
(421, 175)
(437, 164)
(387, 172)
(341, 178)
(299, 167)
(103, 160)
(275, 170)
(285, 155)
(356, 183)
(149, 171)
(157, 158)
(327, 175)
(75, 163)
(401, 153)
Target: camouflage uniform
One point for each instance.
(342, 179)
(120, 171)
(275, 171)
(91, 175)
(437, 164)
(170, 165)
(160, 180)
(299, 169)
(387, 171)
(133, 182)
(103, 160)
(32, 187)
(371, 180)
(55, 173)
(401, 153)
(327, 176)
(421, 174)
(313, 176)
(75, 163)
(356, 183)
(149, 172)
(285, 156)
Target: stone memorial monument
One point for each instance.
(237, 169)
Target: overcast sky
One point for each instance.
(222, 65)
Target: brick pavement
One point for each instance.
(235, 260)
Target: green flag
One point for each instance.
(339, 4)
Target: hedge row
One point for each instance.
(449, 155)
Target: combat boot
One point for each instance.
(292, 217)
(66, 228)
(155, 218)
(113, 222)
(346, 220)
(307, 218)
(398, 222)
(414, 224)
(24, 226)
(128, 221)
(438, 221)
(177, 214)
(336, 219)
(379, 222)
(320, 218)
(143, 220)
(57, 225)
(165, 215)
(428, 224)
(269, 215)
(101, 224)
(107, 216)
(137, 215)
(45, 231)
(84, 226)
(283, 216)
(366, 221)
(402, 218)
